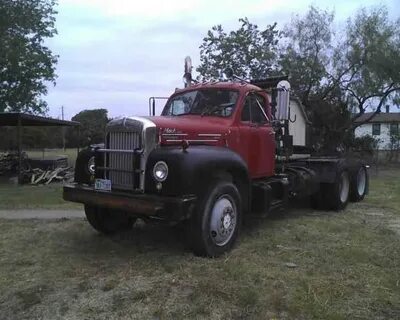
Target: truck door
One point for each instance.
(257, 137)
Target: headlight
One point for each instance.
(160, 171)
(91, 166)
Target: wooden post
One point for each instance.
(79, 137)
(19, 138)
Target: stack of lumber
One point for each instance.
(8, 162)
(39, 176)
(50, 170)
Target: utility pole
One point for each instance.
(63, 128)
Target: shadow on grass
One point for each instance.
(149, 239)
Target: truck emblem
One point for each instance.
(170, 130)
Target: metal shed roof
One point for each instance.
(380, 117)
(24, 119)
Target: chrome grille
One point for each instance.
(122, 165)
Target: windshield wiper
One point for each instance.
(182, 114)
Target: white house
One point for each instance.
(382, 126)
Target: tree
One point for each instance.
(249, 51)
(305, 53)
(93, 123)
(369, 62)
(306, 57)
(26, 64)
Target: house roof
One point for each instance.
(13, 118)
(380, 117)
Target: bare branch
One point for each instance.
(378, 109)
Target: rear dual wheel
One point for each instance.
(359, 184)
(340, 191)
(333, 196)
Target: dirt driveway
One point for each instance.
(41, 214)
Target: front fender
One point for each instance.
(190, 171)
(82, 174)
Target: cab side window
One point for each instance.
(253, 109)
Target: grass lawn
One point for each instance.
(33, 197)
(27, 196)
(305, 265)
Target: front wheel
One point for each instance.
(214, 226)
(108, 221)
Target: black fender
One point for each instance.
(82, 174)
(192, 170)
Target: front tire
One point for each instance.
(108, 221)
(214, 226)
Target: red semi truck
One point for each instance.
(217, 153)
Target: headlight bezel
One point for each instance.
(91, 166)
(156, 168)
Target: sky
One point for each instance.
(115, 54)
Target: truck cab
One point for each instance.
(235, 116)
(208, 160)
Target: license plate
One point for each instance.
(102, 184)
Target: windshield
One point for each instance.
(213, 101)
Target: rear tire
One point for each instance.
(359, 184)
(108, 221)
(215, 224)
(338, 193)
(333, 196)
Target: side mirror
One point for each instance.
(282, 99)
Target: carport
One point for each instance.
(19, 120)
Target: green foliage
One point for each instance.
(364, 145)
(249, 51)
(32, 137)
(306, 53)
(326, 133)
(306, 56)
(26, 64)
(368, 60)
(93, 123)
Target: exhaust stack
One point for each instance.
(187, 76)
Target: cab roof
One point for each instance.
(241, 86)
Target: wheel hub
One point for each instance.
(223, 220)
(226, 221)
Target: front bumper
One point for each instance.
(155, 206)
